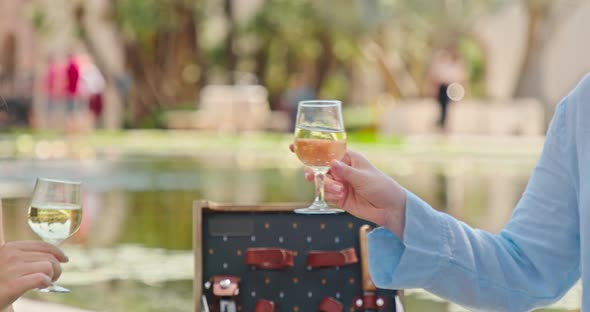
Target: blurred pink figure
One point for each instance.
(52, 83)
(92, 85)
(72, 85)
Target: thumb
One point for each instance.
(344, 172)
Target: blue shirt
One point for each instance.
(542, 251)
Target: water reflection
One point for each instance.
(134, 250)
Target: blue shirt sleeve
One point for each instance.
(531, 263)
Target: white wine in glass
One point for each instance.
(319, 138)
(55, 214)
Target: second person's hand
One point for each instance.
(356, 186)
(25, 265)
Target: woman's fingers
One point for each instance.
(308, 174)
(30, 281)
(333, 186)
(39, 246)
(44, 267)
(39, 257)
(334, 191)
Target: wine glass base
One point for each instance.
(54, 289)
(311, 210)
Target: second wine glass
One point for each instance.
(319, 138)
(55, 214)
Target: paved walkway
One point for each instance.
(28, 305)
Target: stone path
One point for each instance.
(28, 305)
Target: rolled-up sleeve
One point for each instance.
(531, 263)
(424, 254)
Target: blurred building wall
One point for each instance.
(468, 117)
(108, 47)
(14, 23)
(503, 36)
(560, 60)
(566, 58)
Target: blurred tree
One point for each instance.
(323, 39)
(169, 55)
(303, 37)
(162, 50)
(230, 55)
(415, 29)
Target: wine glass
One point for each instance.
(319, 138)
(55, 214)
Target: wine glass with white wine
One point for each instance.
(319, 138)
(55, 214)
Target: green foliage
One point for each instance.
(336, 86)
(414, 28)
(139, 19)
(38, 19)
(321, 39)
(142, 20)
(155, 120)
(474, 56)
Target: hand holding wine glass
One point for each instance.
(25, 265)
(319, 138)
(365, 192)
(55, 214)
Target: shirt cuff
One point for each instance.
(413, 262)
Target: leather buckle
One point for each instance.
(329, 304)
(263, 305)
(269, 258)
(225, 285)
(320, 258)
(369, 301)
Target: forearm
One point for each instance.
(509, 272)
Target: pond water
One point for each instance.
(133, 251)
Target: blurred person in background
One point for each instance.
(26, 265)
(299, 90)
(446, 69)
(74, 105)
(53, 85)
(541, 252)
(92, 85)
(72, 87)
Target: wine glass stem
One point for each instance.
(319, 179)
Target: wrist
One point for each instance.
(395, 215)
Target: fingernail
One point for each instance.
(336, 187)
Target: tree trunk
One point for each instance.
(324, 62)
(145, 96)
(187, 53)
(231, 58)
(261, 58)
(529, 78)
